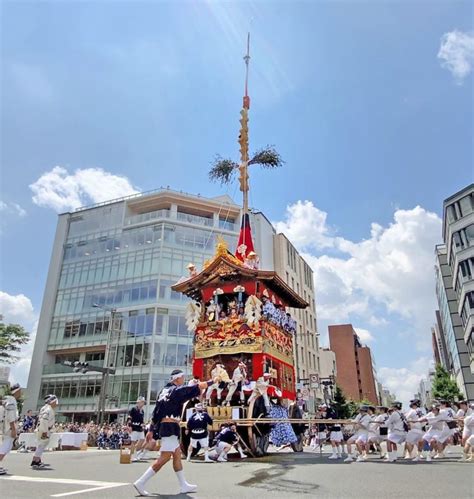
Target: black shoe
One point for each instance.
(39, 466)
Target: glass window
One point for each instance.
(150, 315)
(469, 231)
(157, 361)
(173, 325)
(128, 355)
(170, 358)
(159, 323)
(465, 205)
(137, 356)
(182, 355)
(451, 213)
(140, 323)
(124, 391)
(73, 390)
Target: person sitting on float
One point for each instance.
(192, 270)
(290, 323)
(252, 261)
(278, 314)
(211, 311)
(268, 308)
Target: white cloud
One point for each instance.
(365, 335)
(305, 226)
(456, 53)
(12, 208)
(18, 309)
(391, 272)
(405, 381)
(62, 191)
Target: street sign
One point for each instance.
(305, 394)
(314, 380)
(299, 386)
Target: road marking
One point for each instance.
(96, 485)
(88, 490)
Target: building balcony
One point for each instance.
(147, 217)
(167, 214)
(77, 343)
(62, 369)
(195, 219)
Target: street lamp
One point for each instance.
(107, 370)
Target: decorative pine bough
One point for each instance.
(223, 170)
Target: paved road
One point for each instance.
(97, 474)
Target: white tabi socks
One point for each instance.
(140, 483)
(185, 486)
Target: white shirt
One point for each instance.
(373, 426)
(395, 423)
(261, 386)
(436, 423)
(447, 414)
(220, 373)
(363, 421)
(238, 375)
(460, 414)
(10, 415)
(413, 415)
(381, 418)
(469, 420)
(46, 419)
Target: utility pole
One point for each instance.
(105, 374)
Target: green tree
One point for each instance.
(341, 404)
(445, 388)
(12, 337)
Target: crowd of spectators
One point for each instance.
(105, 436)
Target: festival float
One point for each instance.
(238, 316)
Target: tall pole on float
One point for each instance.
(244, 137)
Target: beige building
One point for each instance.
(299, 276)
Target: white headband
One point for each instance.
(177, 376)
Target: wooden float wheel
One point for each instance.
(186, 439)
(258, 433)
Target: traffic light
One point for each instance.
(77, 366)
(244, 135)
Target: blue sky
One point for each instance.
(370, 121)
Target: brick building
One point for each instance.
(354, 365)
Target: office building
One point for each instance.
(295, 271)
(425, 390)
(455, 288)
(386, 398)
(120, 258)
(438, 340)
(354, 364)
